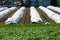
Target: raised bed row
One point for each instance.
(41, 15)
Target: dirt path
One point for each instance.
(44, 16)
(26, 17)
(7, 16)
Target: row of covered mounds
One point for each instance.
(23, 15)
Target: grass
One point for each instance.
(30, 32)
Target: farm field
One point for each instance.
(25, 30)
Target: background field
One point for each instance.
(57, 3)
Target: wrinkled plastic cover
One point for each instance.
(52, 15)
(5, 12)
(35, 17)
(57, 9)
(3, 8)
(16, 16)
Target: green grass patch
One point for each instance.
(30, 32)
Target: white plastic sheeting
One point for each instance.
(54, 16)
(5, 12)
(13, 8)
(16, 17)
(3, 8)
(57, 9)
(35, 17)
